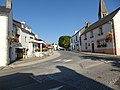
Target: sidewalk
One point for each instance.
(30, 61)
(89, 60)
(100, 54)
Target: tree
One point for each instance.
(64, 41)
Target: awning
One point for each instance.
(36, 41)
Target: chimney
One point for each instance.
(87, 24)
(36, 36)
(9, 4)
(75, 32)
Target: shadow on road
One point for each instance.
(113, 60)
(80, 81)
(66, 79)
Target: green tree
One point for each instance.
(64, 41)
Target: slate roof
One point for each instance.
(101, 21)
(4, 9)
(16, 23)
(38, 39)
(81, 31)
(26, 31)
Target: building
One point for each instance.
(55, 46)
(17, 39)
(6, 28)
(103, 35)
(24, 34)
(28, 43)
(75, 40)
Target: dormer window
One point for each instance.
(22, 26)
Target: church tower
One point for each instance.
(102, 10)
(9, 4)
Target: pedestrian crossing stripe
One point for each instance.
(63, 60)
(57, 88)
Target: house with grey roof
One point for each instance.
(75, 40)
(28, 42)
(103, 35)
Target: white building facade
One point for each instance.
(103, 35)
(75, 40)
(5, 32)
(28, 41)
(17, 39)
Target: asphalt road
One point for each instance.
(70, 71)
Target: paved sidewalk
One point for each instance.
(100, 55)
(30, 61)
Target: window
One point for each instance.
(100, 32)
(104, 15)
(31, 37)
(80, 40)
(85, 45)
(8, 32)
(12, 32)
(101, 43)
(85, 36)
(71, 41)
(91, 34)
(25, 39)
(76, 39)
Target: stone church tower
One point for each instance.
(102, 10)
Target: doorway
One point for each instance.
(93, 49)
(10, 51)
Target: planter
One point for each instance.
(109, 37)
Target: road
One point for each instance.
(69, 71)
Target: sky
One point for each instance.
(51, 19)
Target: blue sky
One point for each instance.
(52, 18)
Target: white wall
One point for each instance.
(74, 43)
(31, 50)
(4, 41)
(116, 20)
(26, 44)
(106, 28)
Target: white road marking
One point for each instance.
(67, 60)
(63, 60)
(57, 88)
(57, 60)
